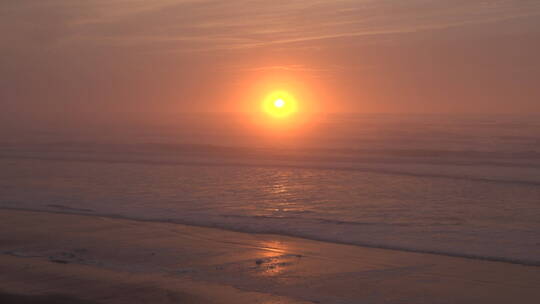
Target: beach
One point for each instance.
(96, 259)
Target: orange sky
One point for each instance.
(117, 58)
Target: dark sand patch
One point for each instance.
(6, 298)
(62, 207)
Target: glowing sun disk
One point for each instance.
(279, 104)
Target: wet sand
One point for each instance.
(50, 257)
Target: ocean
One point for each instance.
(465, 186)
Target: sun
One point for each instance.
(280, 104)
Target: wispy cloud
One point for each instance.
(122, 52)
(289, 67)
(199, 25)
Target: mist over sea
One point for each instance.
(454, 185)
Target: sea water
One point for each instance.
(460, 186)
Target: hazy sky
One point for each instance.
(124, 58)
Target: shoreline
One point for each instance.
(91, 213)
(111, 260)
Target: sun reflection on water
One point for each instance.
(275, 258)
(282, 193)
